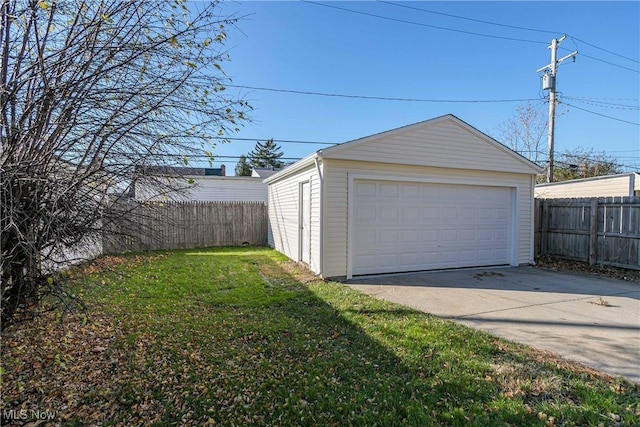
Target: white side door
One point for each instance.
(305, 222)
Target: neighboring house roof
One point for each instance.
(623, 184)
(264, 172)
(514, 162)
(184, 171)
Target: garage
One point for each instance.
(411, 226)
(437, 194)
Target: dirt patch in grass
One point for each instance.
(109, 263)
(583, 267)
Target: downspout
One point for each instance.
(321, 216)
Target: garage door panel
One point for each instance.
(467, 256)
(429, 236)
(365, 262)
(414, 226)
(430, 214)
(388, 214)
(412, 191)
(485, 213)
(410, 237)
(502, 213)
(387, 237)
(467, 235)
(448, 213)
(469, 214)
(410, 214)
(388, 190)
(449, 236)
(387, 260)
(449, 257)
(409, 262)
(485, 235)
(365, 238)
(366, 214)
(501, 235)
(366, 189)
(501, 254)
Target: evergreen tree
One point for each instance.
(243, 168)
(266, 155)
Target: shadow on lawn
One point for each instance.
(295, 359)
(524, 279)
(239, 336)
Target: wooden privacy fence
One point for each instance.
(187, 225)
(594, 230)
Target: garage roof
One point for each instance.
(426, 143)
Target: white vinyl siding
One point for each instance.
(443, 143)
(208, 189)
(336, 210)
(441, 151)
(611, 186)
(284, 215)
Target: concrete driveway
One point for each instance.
(591, 320)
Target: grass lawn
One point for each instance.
(242, 336)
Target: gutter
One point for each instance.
(300, 164)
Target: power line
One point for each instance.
(213, 157)
(588, 98)
(476, 33)
(422, 24)
(287, 141)
(605, 50)
(381, 98)
(605, 104)
(625, 151)
(511, 26)
(299, 92)
(467, 18)
(606, 62)
(601, 115)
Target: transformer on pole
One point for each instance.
(549, 83)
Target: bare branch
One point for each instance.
(92, 93)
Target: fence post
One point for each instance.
(593, 232)
(544, 227)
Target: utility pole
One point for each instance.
(549, 83)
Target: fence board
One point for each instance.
(597, 230)
(188, 225)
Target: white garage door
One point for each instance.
(406, 226)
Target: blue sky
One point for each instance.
(306, 47)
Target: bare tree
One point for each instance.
(525, 133)
(92, 93)
(584, 163)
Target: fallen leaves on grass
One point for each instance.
(61, 367)
(324, 355)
